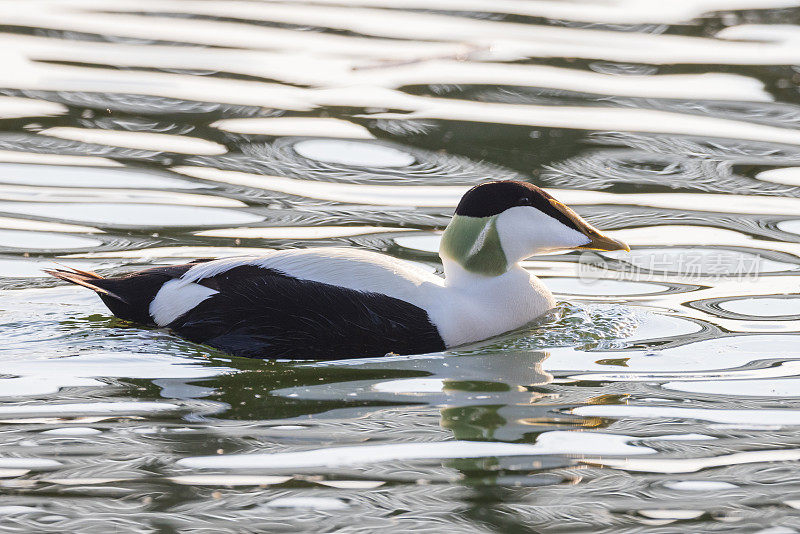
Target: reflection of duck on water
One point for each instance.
(329, 303)
(500, 405)
(488, 396)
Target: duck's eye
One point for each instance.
(524, 201)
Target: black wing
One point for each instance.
(261, 313)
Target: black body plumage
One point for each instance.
(263, 313)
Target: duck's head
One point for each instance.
(498, 224)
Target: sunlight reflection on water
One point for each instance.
(142, 133)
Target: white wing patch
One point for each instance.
(175, 298)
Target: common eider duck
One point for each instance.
(335, 303)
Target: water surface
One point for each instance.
(661, 395)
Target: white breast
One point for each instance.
(478, 307)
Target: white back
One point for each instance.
(345, 267)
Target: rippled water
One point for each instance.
(662, 394)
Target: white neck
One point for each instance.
(476, 306)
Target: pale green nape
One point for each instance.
(475, 244)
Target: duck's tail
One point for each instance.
(83, 278)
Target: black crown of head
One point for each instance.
(493, 198)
